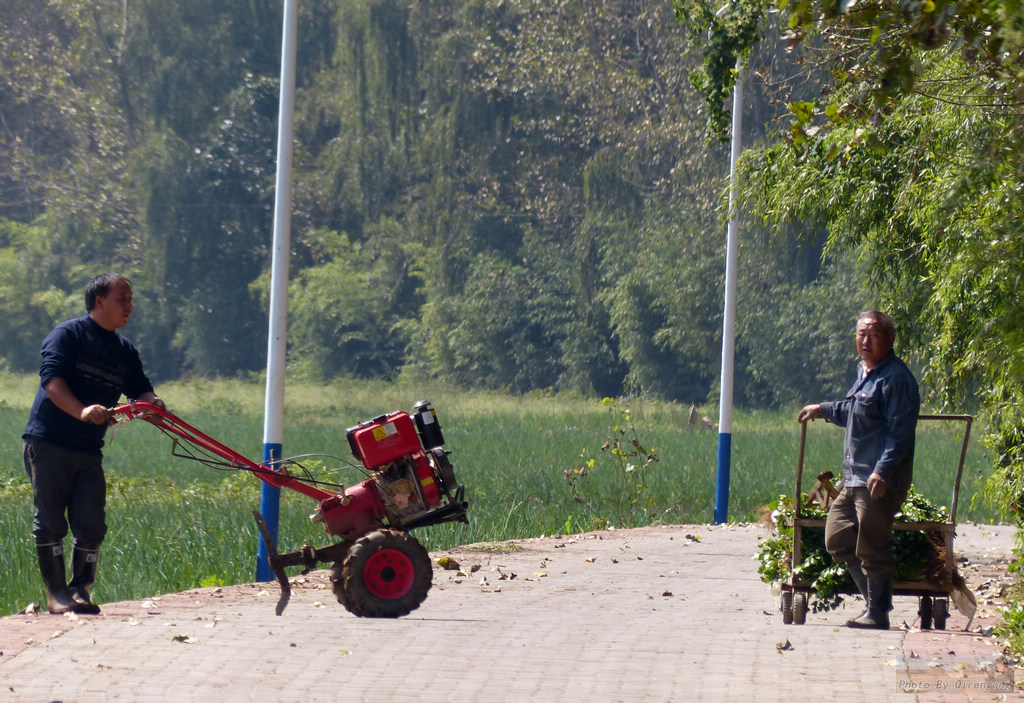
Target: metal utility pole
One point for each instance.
(270, 499)
(729, 319)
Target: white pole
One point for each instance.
(729, 318)
(273, 417)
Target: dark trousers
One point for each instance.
(858, 529)
(66, 483)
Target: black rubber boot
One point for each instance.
(861, 582)
(879, 605)
(83, 575)
(51, 565)
(859, 579)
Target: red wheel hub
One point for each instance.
(389, 574)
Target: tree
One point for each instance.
(346, 313)
(912, 159)
(481, 188)
(566, 116)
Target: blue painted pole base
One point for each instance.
(270, 507)
(722, 485)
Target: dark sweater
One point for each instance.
(98, 365)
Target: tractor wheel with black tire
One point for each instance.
(338, 584)
(386, 574)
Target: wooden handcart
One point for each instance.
(934, 596)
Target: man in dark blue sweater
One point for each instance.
(86, 366)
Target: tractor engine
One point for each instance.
(411, 479)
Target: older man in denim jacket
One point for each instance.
(880, 416)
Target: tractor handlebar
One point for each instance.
(171, 424)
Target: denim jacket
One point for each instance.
(880, 416)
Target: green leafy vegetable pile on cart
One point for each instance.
(920, 556)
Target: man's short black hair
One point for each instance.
(99, 287)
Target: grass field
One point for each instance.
(177, 524)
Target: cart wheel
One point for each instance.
(787, 607)
(924, 609)
(940, 611)
(386, 574)
(800, 608)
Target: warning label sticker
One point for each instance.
(384, 431)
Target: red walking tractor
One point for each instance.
(378, 568)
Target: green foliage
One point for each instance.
(345, 312)
(909, 159)
(878, 50)
(924, 196)
(612, 487)
(668, 334)
(729, 31)
(139, 139)
(1006, 442)
(29, 275)
(579, 121)
(501, 335)
(827, 579)
(524, 190)
(810, 330)
(1012, 627)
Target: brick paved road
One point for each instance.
(659, 614)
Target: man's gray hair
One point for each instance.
(881, 319)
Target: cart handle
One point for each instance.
(967, 419)
(800, 469)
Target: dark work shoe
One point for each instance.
(863, 614)
(879, 603)
(867, 621)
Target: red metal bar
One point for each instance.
(171, 423)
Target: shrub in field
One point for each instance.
(623, 498)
